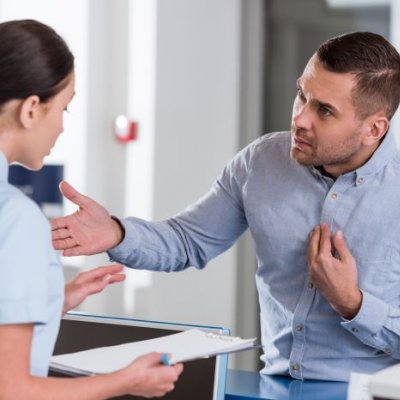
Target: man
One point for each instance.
(322, 203)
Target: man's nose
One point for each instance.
(302, 117)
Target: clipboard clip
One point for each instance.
(212, 335)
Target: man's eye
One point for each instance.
(300, 94)
(324, 111)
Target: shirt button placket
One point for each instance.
(295, 369)
(299, 330)
(298, 340)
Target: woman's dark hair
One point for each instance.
(34, 60)
(375, 64)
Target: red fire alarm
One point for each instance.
(125, 130)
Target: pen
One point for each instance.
(165, 359)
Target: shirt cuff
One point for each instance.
(128, 245)
(370, 318)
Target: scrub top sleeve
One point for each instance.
(24, 232)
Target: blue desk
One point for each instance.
(243, 385)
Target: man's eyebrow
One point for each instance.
(326, 105)
(316, 101)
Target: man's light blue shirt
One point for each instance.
(280, 201)
(31, 278)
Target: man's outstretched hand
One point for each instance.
(89, 230)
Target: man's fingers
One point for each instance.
(340, 245)
(70, 252)
(60, 234)
(313, 244)
(73, 195)
(59, 223)
(325, 241)
(71, 248)
(63, 244)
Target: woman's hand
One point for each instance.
(148, 377)
(90, 282)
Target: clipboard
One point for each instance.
(204, 379)
(184, 346)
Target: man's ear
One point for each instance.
(29, 111)
(377, 126)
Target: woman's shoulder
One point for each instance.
(16, 206)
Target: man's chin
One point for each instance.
(300, 159)
(296, 155)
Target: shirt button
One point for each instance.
(334, 196)
(355, 330)
(388, 350)
(360, 179)
(296, 367)
(299, 328)
(310, 285)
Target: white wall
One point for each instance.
(189, 130)
(197, 132)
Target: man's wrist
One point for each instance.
(350, 311)
(119, 230)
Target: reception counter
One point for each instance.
(244, 385)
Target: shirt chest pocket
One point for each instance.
(376, 263)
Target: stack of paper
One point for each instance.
(183, 346)
(385, 383)
(358, 387)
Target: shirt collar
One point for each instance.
(379, 159)
(381, 156)
(3, 168)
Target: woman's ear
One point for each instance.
(29, 111)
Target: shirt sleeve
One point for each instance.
(195, 236)
(377, 325)
(23, 286)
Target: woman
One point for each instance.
(36, 85)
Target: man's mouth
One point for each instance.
(300, 143)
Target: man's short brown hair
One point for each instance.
(375, 64)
